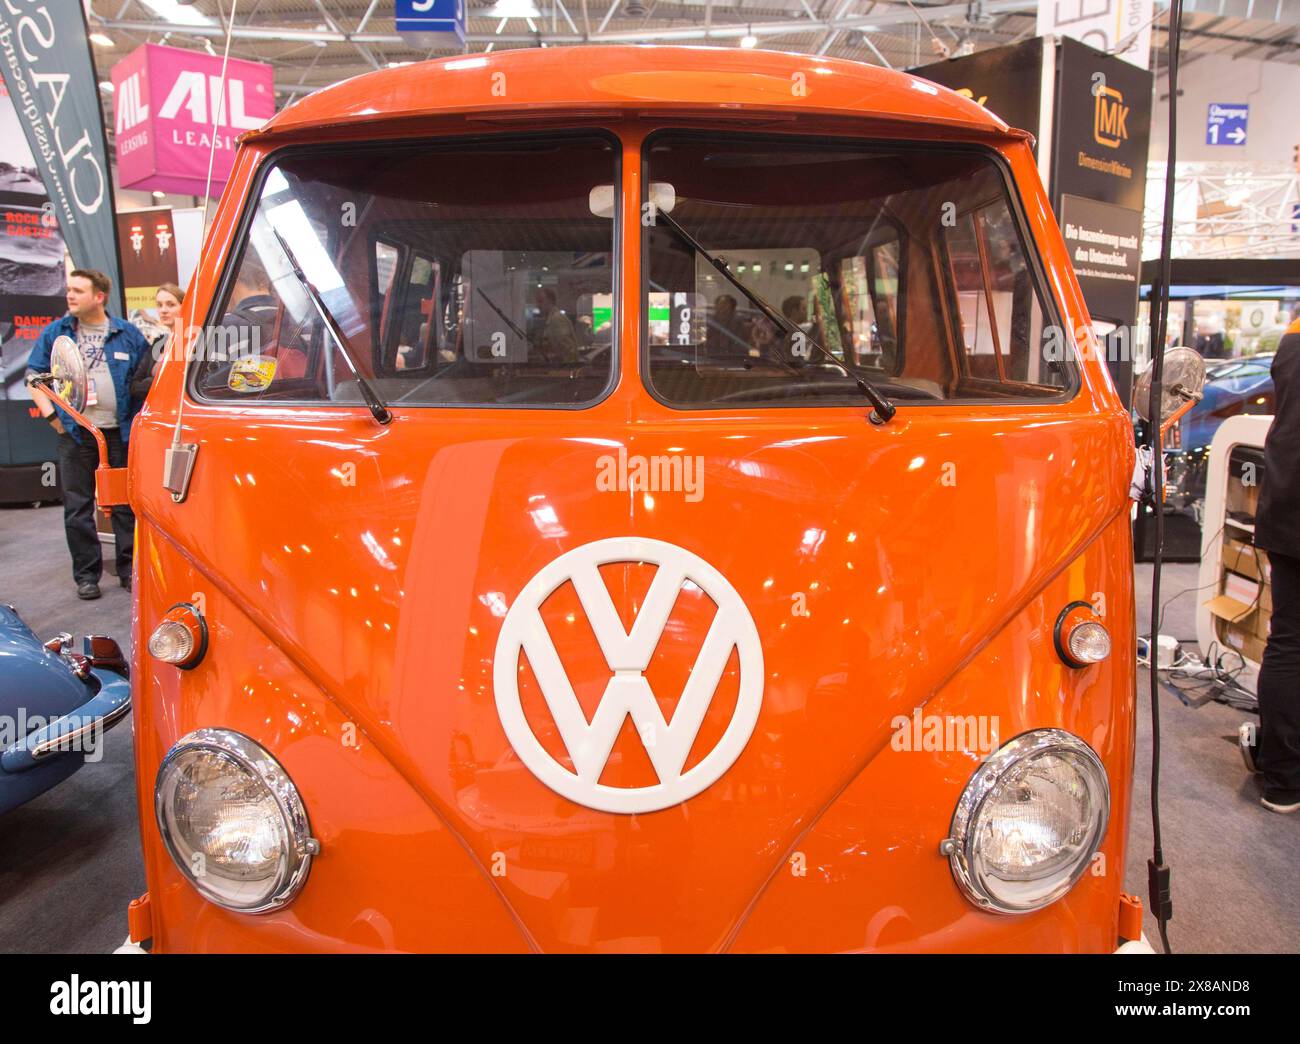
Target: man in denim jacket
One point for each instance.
(116, 356)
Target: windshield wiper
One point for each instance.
(504, 318)
(882, 408)
(378, 410)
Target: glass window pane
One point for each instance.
(458, 274)
(903, 263)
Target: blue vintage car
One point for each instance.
(1232, 386)
(55, 706)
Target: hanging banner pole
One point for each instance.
(46, 60)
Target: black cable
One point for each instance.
(1221, 685)
(1157, 624)
(1158, 878)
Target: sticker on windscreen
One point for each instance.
(253, 373)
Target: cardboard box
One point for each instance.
(1242, 557)
(1246, 604)
(1242, 640)
(1233, 611)
(1242, 589)
(1242, 498)
(1253, 650)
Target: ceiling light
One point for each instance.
(749, 40)
(103, 39)
(177, 13)
(105, 86)
(513, 9)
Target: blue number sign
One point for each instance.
(1225, 124)
(431, 23)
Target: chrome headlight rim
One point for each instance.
(257, 762)
(960, 844)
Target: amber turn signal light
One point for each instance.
(1080, 636)
(181, 638)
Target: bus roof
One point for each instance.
(533, 83)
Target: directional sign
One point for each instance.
(431, 23)
(1225, 124)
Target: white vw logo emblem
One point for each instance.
(628, 692)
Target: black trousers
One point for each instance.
(1279, 686)
(77, 464)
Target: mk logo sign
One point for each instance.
(1110, 118)
(131, 109)
(627, 693)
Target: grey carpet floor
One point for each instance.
(1234, 863)
(70, 860)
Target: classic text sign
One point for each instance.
(46, 62)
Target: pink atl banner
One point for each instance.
(166, 99)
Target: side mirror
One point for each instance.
(68, 373)
(1182, 384)
(67, 384)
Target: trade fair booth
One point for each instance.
(534, 485)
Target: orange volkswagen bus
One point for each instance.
(634, 499)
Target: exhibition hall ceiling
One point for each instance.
(313, 43)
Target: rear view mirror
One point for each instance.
(602, 198)
(1183, 380)
(68, 373)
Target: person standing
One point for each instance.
(161, 336)
(114, 352)
(558, 343)
(727, 334)
(169, 299)
(1276, 753)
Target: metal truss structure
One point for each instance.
(1222, 211)
(316, 42)
(1226, 211)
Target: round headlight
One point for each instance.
(233, 821)
(1029, 822)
